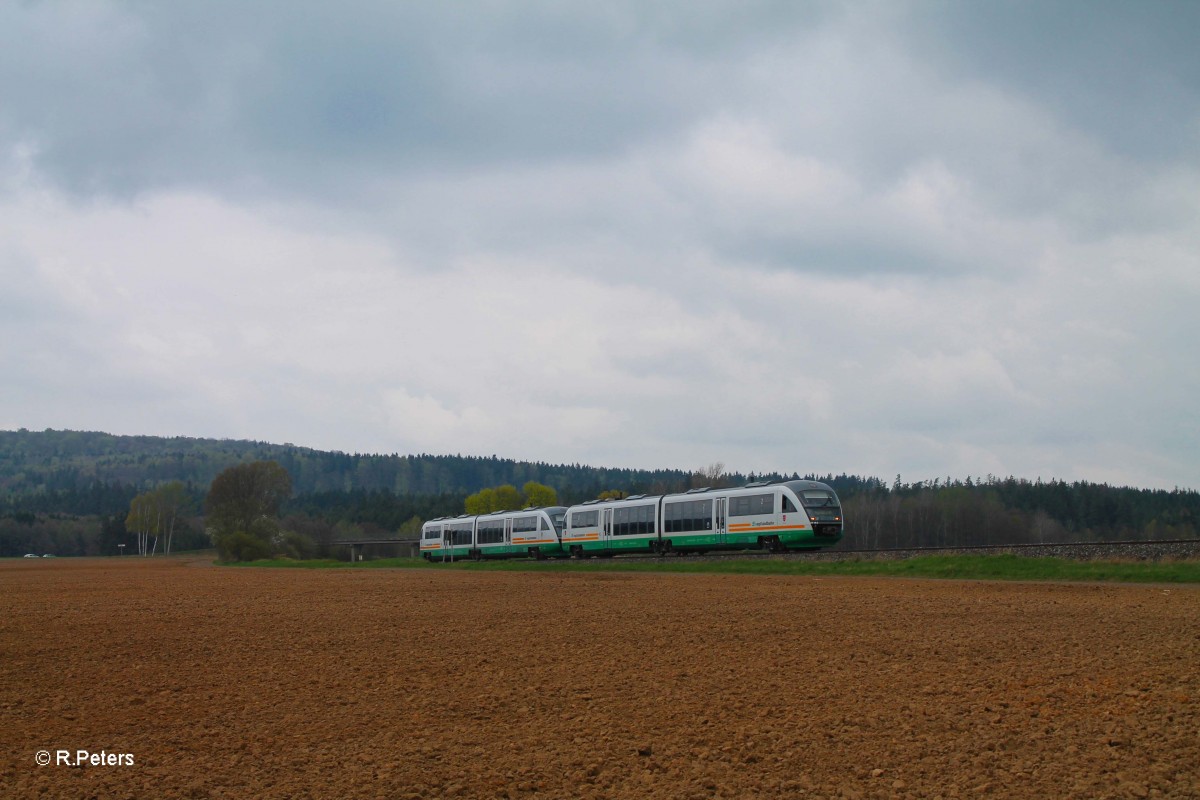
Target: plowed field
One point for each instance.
(269, 683)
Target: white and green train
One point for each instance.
(771, 515)
(530, 532)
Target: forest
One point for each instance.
(70, 492)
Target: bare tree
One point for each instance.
(712, 476)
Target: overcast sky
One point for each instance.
(935, 239)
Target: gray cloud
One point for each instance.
(892, 238)
(123, 98)
(1125, 73)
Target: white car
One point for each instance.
(31, 555)
(48, 555)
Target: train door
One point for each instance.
(606, 532)
(719, 519)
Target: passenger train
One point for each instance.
(771, 515)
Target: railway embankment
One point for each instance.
(1080, 551)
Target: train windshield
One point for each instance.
(558, 518)
(818, 498)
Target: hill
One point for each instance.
(33, 462)
(68, 484)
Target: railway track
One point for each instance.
(1083, 551)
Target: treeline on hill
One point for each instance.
(69, 493)
(49, 461)
(964, 513)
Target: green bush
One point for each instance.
(297, 545)
(241, 546)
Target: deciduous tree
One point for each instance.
(507, 498)
(173, 502)
(244, 501)
(538, 494)
(482, 502)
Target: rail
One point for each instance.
(356, 546)
(1150, 548)
(1023, 545)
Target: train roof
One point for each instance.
(526, 510)
(632, 498)
(793, 484)
(790, 482)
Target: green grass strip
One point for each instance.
(969, 567)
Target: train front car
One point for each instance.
(550, 543)
(537, 532)
(772, 515)
(431, 539)
(823, 509)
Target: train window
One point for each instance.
(633, 521)
(818, 498)
(672, 517)
(491, 532)
(788, 507)
(695, 515)
(752, 505)
(459, 535)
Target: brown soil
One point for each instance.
(247, 683)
